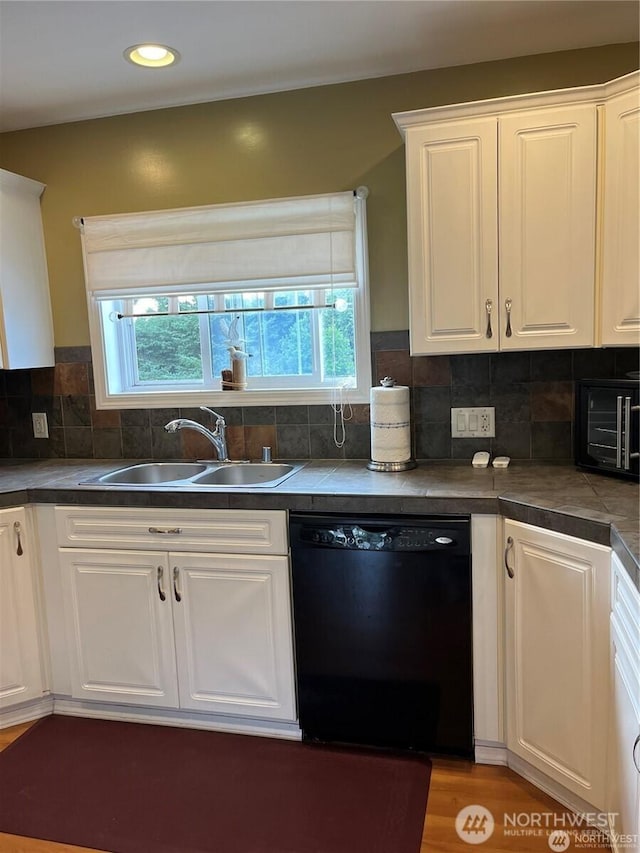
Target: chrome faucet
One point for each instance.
(217, 436)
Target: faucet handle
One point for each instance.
(219, 418)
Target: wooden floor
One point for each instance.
(454, 785)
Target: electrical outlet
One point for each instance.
(476, 422)
(40, 425)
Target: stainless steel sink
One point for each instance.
(152, 473)
(199, 475)
(245, 474)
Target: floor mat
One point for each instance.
(136, 788)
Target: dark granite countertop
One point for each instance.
(559, 497)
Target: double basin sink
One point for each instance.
(199, 474)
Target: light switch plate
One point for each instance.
(475, 422)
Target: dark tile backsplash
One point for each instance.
(532, 393)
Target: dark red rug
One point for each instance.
(134, 788)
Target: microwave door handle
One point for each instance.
(619, 431)
(627, 431)
(628, 408)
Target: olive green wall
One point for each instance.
(315, 140)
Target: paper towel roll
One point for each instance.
(390, 424)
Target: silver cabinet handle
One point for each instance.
(17, 529)
(176, 591)
(488, 307)
(635, 747)
(619, 432)
(161, 591)
(510, 571)
(166, 531)
(508, 304)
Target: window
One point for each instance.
(178, 297)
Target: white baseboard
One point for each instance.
(184, 719)
(549, 786)
(33, 710)
(490, 753)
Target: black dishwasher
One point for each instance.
(382, 611)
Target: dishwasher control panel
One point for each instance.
(378, 534)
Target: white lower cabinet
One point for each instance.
(120, 633)
(623, 742)
(181, 629)
(21, 665)
(557, 605)
(233, 634)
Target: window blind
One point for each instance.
(279, 244)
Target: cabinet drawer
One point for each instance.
(210, 530)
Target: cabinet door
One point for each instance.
(547, 228)
(26, 330)
(452, 234)
(119, 627)
(620, 294)
(20, 660)
(623, 745)
(623, 774)
(233, 634)
(557, 606)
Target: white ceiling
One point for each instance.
(62, 61)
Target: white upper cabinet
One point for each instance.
(620, 286)
(502, 221)
(547, 204)
(452, 233)
(26, 331)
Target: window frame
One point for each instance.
(108, 367)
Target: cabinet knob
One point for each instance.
(17, 529)
(510, 571)
(635, 749)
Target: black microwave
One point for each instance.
(607, 426)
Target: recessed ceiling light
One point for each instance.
(151, 55)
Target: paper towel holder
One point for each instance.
(390, 467)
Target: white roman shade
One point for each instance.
(303, 242)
